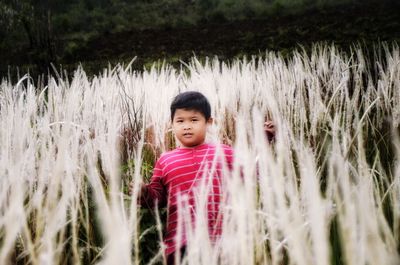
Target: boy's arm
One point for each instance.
(153, 193)
(270, 132)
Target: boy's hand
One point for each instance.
(131, 187)
(142, 189)
(269, 128)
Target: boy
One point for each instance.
(178, 174)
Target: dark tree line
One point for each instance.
(36, 33)
(26, 26)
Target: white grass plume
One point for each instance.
(62, 186)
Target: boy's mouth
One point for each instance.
(187, 134)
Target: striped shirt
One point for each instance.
(179, 177)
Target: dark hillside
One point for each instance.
(344, 25)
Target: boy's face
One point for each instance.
(190, 127)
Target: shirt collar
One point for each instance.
(197, 147)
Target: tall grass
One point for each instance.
(326, 192)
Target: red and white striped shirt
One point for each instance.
(179, 177)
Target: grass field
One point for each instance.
(326, 192)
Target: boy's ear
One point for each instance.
(210, 121)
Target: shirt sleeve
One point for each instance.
(154, 193)
(229, 157)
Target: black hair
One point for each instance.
(191, 100)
